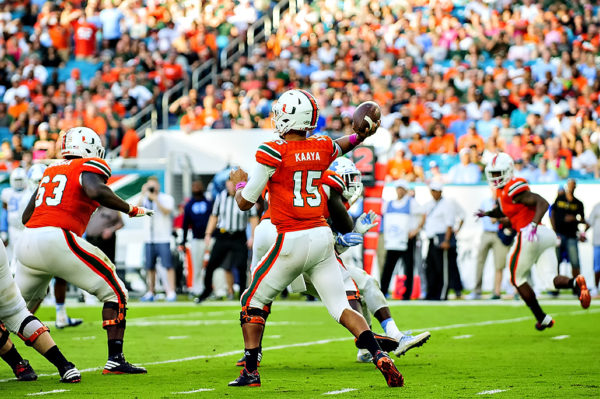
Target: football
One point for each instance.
(365, 116)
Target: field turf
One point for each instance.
(477, 349)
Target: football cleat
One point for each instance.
(118, 365)
(386, 365)
(584, 294)
(364, 356)
(70, 375)
(147, 297)
(24, 372)
(246, 379)
(67, 322)
(242, 361)
(407, 342)
(546, 323)
(387, 344)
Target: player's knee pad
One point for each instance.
(121, 312)
(253, 316)
(353, 295)
(30, 329)
(3, 335)
(372, 296)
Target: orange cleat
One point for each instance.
(584, 294)
(392, 376)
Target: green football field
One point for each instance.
(478, 349)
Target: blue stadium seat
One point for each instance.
(5, 134)
(87, 70)
(28, 141)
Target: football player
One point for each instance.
(15, 316)
(12, 197)
(34, 175)
(291, 168)
(534, 244)
(345, 178)
(51, 244)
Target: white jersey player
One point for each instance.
(12, 197)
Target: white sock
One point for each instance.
(390, 328)
(61, 311)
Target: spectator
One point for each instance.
(566, 216)
(229, 225)
(585, 161)
(544, 174)
(158, 237)
(491, 241)
(195, 217)
(471, 138)
(464, 172)
(400, 167)
(440, 218)
(441, 142)
(130, 141)
(400, 234)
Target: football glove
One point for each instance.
(357, 193)
(530, 232)
(138, 211)
(349, 239)
(365, 222)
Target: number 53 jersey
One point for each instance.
(61, 201)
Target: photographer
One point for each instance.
(158, 236)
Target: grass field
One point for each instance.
(476, 350)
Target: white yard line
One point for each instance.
(466, 336)
(559, 337)
(392, 303)
(178, 337)
(84, 338)
(191, 323)
(340, 391)
(47, 392)
(323, 341)
(194, 391)
(492, 392)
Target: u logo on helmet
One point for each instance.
(293, 111)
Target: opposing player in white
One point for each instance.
(12, 197)
(371, 295)
(18, 320)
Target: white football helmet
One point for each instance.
(499, 170)
(82, 142)
(295, 110)
(351, 175)
(18, 179)
(35, 174)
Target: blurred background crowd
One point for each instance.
(457, 80)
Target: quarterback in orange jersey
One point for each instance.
(534, 244)
(51, 244)
(292, 168)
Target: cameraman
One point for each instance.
(158, 236)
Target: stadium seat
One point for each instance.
(28, 141)
(5, 134)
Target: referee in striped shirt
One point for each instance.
(227, 224)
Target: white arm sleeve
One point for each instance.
(257, 182)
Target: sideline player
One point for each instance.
(51, 244)
(15, 316)
(292, 168)
(34, 175)
(12, 197)
(534, 244)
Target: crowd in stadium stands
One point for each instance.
(457, 80)
(98, 62)
(456, 83)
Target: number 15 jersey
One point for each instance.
(61, 201)
(296, 201)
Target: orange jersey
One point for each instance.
(61, 201)
(518, 214)
(334, 182)
(295, 194)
